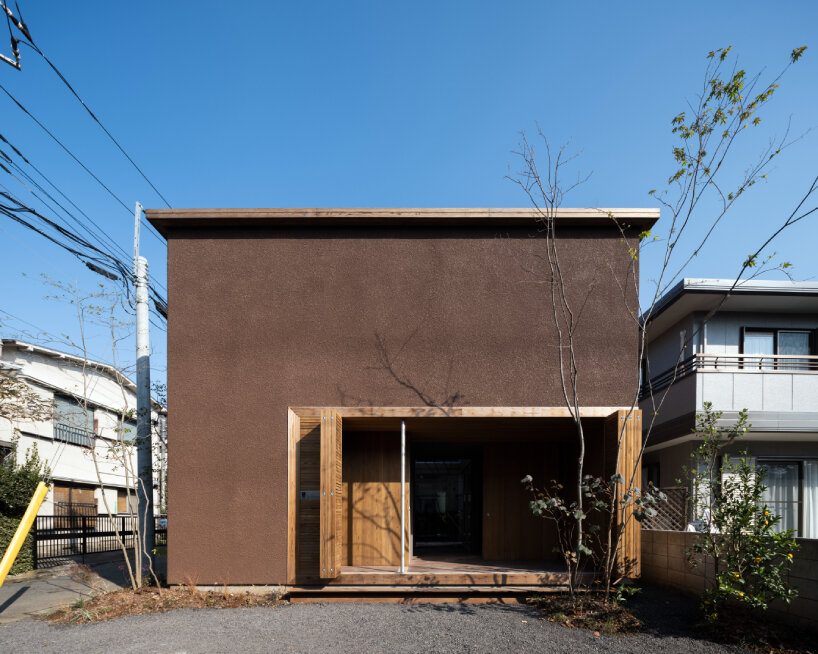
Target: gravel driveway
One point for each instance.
(352, 627)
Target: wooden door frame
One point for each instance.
(616, 414)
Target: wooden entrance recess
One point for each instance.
(344, 486)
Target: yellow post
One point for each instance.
(22, 530)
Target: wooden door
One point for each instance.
(331, 548)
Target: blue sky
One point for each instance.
(383, 104)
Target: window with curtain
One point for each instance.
(810, 499)
(759, 343)
(793, 343)
(792, 493)
(779, 342)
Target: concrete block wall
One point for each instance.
(664, 563)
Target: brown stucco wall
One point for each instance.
(262, 319)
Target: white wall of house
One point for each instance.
(722, 334)
(664, 349)
(109, 395)
(758, 390)
(782, 402)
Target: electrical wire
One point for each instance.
(88, 230)
(16, 210)
(107, 258)
(33, 46)
(13, 213)
(77, 160)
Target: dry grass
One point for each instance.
(121, 603)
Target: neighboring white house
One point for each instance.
(758, 352)
(90, 399)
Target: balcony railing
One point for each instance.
(773, 363)
(72, 434)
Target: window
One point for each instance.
(775, 343)
(792, 493)
(128, 429)
(122, 501)
(793, 343)
(73, 422)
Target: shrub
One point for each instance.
(25, 559)
(19, 481)
(737, 531)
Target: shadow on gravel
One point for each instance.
(467, 609)
(664, 613)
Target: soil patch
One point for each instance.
(588, 612)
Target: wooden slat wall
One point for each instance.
(372, 498)
(330, 544)
(308, 478)
(339, 555)
(510, 531)
(293, 436)
(629, 558)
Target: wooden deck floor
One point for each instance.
(459, 564)
(437, 571)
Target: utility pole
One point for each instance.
(144, 454)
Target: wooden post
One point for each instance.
(626, 425)
(331, 502)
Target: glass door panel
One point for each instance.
(443, 504)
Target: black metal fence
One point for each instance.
(70, 514)
(61, 537)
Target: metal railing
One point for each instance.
(787, 363)
(60, 537)
(72, 434)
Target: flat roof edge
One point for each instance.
(164, 219)
(709, 286)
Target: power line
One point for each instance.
(21, 207)
(96, 120)
(20, 24)
(90, 232)
(48, 195)
(94, 262)
(76, 159)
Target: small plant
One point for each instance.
(580, 538)
(623, 592)
(737, 531)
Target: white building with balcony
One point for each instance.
(89, 443)
(758, 352)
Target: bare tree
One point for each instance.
(726, 108)
(102, 309)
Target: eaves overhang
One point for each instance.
(165, 220)
(693, 295)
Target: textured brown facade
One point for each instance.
(265, 317)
